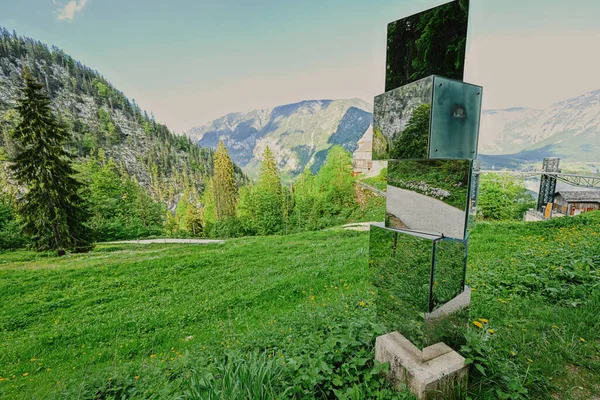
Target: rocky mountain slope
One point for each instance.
(100, 118)
(299, 134)
(569, 129)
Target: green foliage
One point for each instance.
(225, 190)
(50, 209)
(336, 184)
(432, 42)
(379, 181)
(253, 377)
(536, 289)
(305, 297)
(150, 337)
(10, 235)
(266, 198)
(412, 142)
(119, 208)
(503, 197)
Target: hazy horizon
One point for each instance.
(194, 61)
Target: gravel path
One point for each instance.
(185, 241)
(425, 214)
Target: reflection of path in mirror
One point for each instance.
(426, 214)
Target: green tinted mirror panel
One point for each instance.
(412, 297)
(400, 269)
(430, 196)
(401, 121)
(448, 271)
(429, 43)
(455, 113)
(473, 195)
(448, 325)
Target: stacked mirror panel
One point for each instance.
(433, 117)
(416, 275)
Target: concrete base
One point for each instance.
(436, 372)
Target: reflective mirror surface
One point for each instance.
(428, 196)
(448, 271)
(428, 43)
(474, 195)
(400, 269)
(401, 121)
(455, 115)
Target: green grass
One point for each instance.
(149, 321)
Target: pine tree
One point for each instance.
(267, 197)
(225, 190)
(209, 216)
(336, 183)
(51, 206)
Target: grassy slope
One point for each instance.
(136, 318)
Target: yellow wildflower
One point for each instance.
(362, 303)
(581, 339)
(483, 320)
(26, 373)
(491, 331)
(477, 324)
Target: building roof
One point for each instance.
(580, 195)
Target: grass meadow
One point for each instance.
(291, 316)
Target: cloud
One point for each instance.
(67, 12)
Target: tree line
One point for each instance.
(52, 200)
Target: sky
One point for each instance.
(191, 61)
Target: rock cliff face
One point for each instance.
(100, 118)
(299, 134)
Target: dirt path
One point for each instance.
(181, 241)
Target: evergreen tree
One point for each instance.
(209, 209)
(51, 206)
(306, 199)
(336, 183)
(225, 190)
(267, 198)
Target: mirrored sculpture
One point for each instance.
(426, 125)
(433, 117)
(432, 42)
(429, 196)
(416, 275)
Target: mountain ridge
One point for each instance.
(299, 134)
(100, 117)
(569, 129)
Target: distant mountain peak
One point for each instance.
(569, 129)
(300, 134)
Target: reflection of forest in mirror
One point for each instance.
(401, 122)
(445, 180)
(400, 269)
(431, 42)
(448, 271)
(447, 328)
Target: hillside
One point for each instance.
(299, 134)
(100, 118)
(81, 327)
(569, 129)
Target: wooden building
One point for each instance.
(573, 202)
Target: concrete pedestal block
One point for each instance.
(436, 372)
